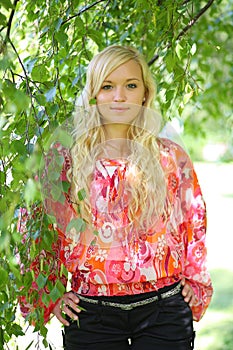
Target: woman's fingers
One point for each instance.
(188, 293)
(57, 311)
(68, 304)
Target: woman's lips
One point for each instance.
(119, 109)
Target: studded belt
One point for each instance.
(130, 306)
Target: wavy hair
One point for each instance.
(147, 199)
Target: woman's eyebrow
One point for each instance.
(133, 79)
(129, 79)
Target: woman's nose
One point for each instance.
(119, 95)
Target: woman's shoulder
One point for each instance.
(173, 150)
(168, 145)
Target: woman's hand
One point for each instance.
(188, 293)
(67, 304)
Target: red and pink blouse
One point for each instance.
(116, 258)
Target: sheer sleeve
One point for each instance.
(48, 250)
(193, 226)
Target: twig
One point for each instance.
(82, 11)
(186, 28)
(59, 90)
(195, 19)
(27, 84)
(22, 66)
(153, 59)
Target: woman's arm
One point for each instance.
(196, 279)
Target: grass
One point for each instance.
(215, 331)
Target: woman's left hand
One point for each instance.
(188, 293)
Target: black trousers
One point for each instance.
(163, 325)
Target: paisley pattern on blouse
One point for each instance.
(117, 258)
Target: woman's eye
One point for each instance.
(131, 86)
(106, 87)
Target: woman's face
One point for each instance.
(122, 94)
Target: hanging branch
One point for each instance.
(186, 28)
(86, 8)
(195, 19)
(9, 23)
(22, 66)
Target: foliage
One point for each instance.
(45, 47)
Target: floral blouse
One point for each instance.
(115, 259)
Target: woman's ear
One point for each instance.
(145, 97)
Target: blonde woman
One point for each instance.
(138, 265)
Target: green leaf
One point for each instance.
(79, 25)
(50, 94)
(4, 277)
(3, 21)
(46, 299)
(61, 37)
(82, 194)
(19, 146)
(16, 330)
(43, 332)
(16, 100)
(57, 24)
(63, 137)
(48, 239)
(179, 50)
(187, 97)
(65, 186)
(53, 109)
(30, 192)
(40, 73)
(60, 287)
(45, 343)
(55, 294)
(41, 281)
(57, 194)
(29, 64)
(92, 101)
(79, 225)
(57, 291)
(170, 60)
(7, 4)
(53, 173)
(15, 270)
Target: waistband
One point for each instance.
(173, 291)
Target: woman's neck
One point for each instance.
(115, 131)
(116, 142)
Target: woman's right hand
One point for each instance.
(67, 304)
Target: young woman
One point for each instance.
(139, 265)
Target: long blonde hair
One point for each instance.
(148, 199)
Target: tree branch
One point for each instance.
(82, 11)
(195, 19)
(11, 19)
(185, 29)
(21, 64)
(153, 59)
